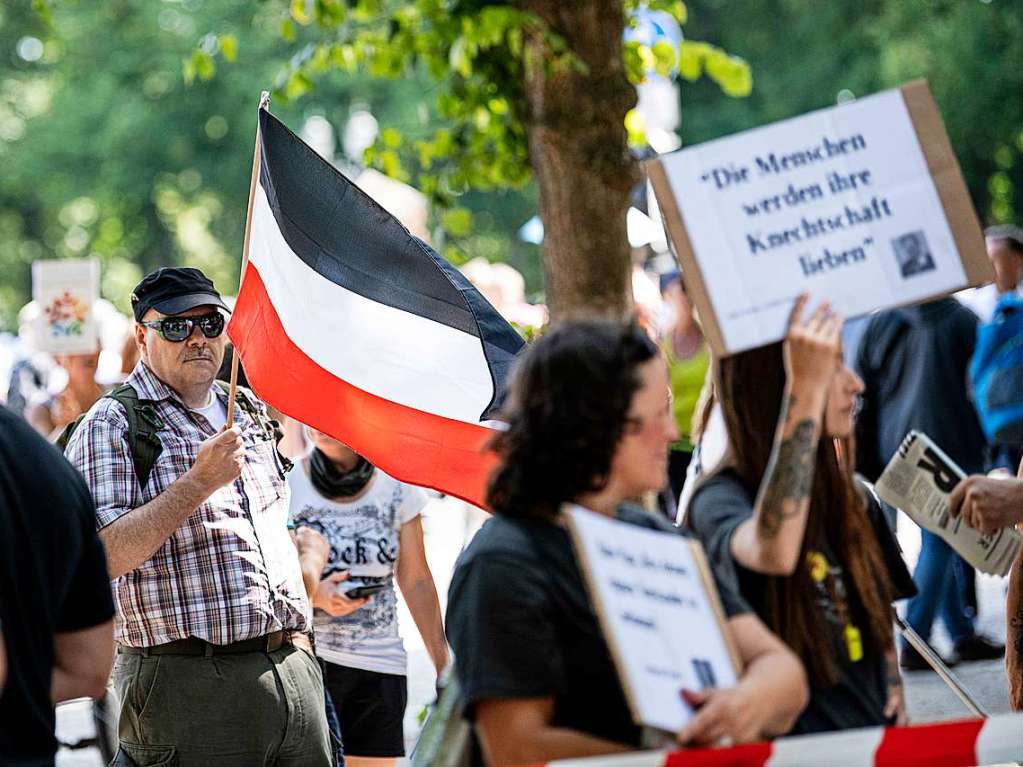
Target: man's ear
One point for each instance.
(140, 337)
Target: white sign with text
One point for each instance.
(839, 203)
(659, 611)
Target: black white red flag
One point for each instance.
(350, 324)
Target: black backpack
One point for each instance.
(144, 423)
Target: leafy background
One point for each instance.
(126, 127)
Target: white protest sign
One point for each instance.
(862, 204)
(659, 611)
(66, 291)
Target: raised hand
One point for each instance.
(813, 348)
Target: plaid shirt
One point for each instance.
(230, 572)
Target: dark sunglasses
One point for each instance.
(177, 329)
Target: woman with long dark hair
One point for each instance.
(805, 542)
(589, 422)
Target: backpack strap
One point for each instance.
(65, 435)
(143, 425)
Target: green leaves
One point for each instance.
(392, 139)
(476, 58)
(298, 84)
(457, 221)
(301, 12)
(676, 8)
(229, 47)
(477, 55)
(691, 60)
(731, 73)
(202, 63)
(635, 128)
(1000, 185)
(42, 9)
(459, 58)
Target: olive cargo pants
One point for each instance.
(241, 710)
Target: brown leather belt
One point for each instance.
(196, 646)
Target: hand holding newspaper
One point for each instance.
(918, 480)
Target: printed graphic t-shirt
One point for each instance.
(364, 538)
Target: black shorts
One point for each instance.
(371, 707)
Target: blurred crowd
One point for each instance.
(198, 547)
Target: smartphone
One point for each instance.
(365, 591)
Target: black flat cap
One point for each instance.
(172, 290)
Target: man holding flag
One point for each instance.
(345, 322)
(214, 664)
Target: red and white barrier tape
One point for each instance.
(949, 744)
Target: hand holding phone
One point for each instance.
(364, 591)
(333, 600)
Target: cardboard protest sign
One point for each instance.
(66, 291)
(660, 613)
(862, 204)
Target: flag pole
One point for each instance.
(264, 102)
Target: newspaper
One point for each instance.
(918, 480)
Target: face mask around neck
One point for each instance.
(333, 482)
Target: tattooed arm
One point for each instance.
(770, 541)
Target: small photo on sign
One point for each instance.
(704, 670)
(912, 253)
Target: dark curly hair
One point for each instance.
(568, 401)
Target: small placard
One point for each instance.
(660, 613)
(66, 291)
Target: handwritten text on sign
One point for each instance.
(657, 614)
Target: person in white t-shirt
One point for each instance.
(372, 523)
(214, 412)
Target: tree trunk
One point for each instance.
(579, 153)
